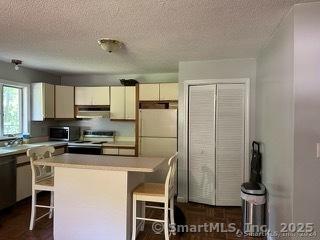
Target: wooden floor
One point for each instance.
(14, 222)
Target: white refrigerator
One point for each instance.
(158, 136)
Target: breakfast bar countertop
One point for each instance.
(103, 162)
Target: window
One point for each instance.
(14, 108)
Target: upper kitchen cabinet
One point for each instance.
(168, 91)
(158, 92)
(149, 92)
(42, 101)
(92, 96)
(117, 106)
(64, 101)
(123, 103)
(130, 103)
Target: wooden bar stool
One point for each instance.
(159, 193)
(42, 180)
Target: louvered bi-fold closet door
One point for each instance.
(230, 143)
(202, 144)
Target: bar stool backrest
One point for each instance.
(170, 179)
(40, 172)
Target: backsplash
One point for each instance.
(40, 129)
(126, 129)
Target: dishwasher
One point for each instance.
(8, 172)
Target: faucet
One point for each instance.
(16, 141)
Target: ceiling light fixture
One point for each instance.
(109, 45)
(16, 62)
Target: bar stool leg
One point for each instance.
(134, 220)
(33, 209)
(172, 223)
(166, 220)
(51, 204)
(143, 213)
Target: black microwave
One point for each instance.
(64, 133)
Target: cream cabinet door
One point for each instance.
(100, 95)
(59, 151)
(110, 151)
(92, 96)
(169, 91)
(117, 105)
(64, 101)
(83, 96)
(42, 101)
(130, 103)
(24, 182)
(127, 152)
(48, 100)
(149, 92)
(37, 101)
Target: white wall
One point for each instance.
(103, 79)
(274, 121)
(121, 128)
(26, 75)
(307, 113)
(288, 117)
(213, 69)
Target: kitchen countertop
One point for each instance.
(103, 162)
(20, 149)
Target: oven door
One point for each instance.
(85, 150)
(60, 134)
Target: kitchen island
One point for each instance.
(93, 194)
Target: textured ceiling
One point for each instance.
(61, 36)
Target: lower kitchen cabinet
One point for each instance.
(111, 151)
(119, 151)
(59, 151)
(127, 152)
(24, 181)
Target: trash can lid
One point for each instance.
(253, 189)
(253, 199)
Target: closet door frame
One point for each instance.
(184, 173)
